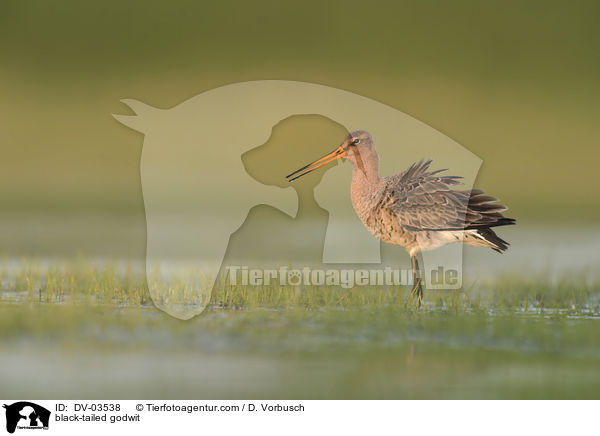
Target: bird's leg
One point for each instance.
(417, 291)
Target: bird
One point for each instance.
(418, 209)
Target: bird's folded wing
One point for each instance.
(424, 200)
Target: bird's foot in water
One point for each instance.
(417, 293)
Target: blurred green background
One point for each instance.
(514, 82)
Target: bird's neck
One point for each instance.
(365, 170)
(365, 183)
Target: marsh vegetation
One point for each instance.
(95, 331)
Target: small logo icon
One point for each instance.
(26, 415)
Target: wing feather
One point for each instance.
(425, 200)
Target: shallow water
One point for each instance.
(503, 339)
(134, 353)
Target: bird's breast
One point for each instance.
(372, 209)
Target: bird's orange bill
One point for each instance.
(330, 157)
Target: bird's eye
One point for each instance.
(356, 141)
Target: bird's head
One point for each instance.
(356, 144)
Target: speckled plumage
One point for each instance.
(417, 209)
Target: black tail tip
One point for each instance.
(496, 242)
